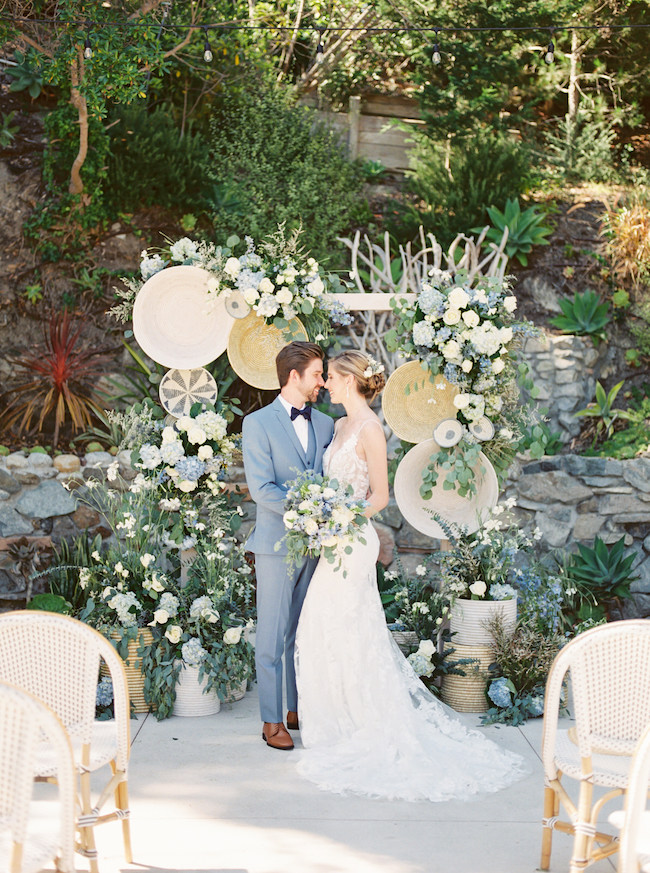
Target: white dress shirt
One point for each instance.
(300, 423)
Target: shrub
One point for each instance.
(152, 163)
(273, 162)
(484, 170)
(581, 149)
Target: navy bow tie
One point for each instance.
(305, 411)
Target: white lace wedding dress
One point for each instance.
(368, 724)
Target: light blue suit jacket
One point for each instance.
(273, 455)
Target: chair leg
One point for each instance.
(584, 830)
(87, 834)
(122, 802)
(550, 809)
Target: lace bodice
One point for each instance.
(342, 462)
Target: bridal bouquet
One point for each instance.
(321, 516)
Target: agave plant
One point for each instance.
(603, 409)
(64, 375)
(596, 576)
(525, 229)
(585, 315)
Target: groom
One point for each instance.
(280, 441)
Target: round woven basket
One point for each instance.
(405, 640)
(191, 699)
(413, 402)
(467, 693)
(132, 666)
(235, 692)
(469, 619)
(253, 345)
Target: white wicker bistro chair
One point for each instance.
(57, 659)
(28, 727)
(610, 680)
(634, 821)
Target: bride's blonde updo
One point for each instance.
(368, 374)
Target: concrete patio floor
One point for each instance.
(208, 795)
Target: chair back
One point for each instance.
(610, 683)
(25, 724)
(635, 806)
(57, 658)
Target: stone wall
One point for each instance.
(570, 498)
(565, 370)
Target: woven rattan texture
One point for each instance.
(27, 724)
(635, 834)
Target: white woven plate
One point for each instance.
(180, 389)
(177, 322)
(463, 511)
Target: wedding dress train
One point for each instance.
(368, 724)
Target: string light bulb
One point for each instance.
(320, 48)
(88, 49)
(549, 55)
(207, 51)
(436, 57)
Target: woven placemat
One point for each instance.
(414, 403)
(253, 345)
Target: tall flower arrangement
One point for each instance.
(467, 333)
(275, 277)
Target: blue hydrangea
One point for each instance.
(190, 468)
(193, 652)
(104, 695)
(499, 693)
(501, 591)
(451, 373)
(443, 334)
(430, 299)
(536, 705)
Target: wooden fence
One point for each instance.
(370, 128)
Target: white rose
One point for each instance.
(232, 267)
(119, 567)
(289, 518)
(155, 584)
(146, 559)
(185, 422)
(332, 540)
(328, 493)
(470, 318)
(196, 435)
(451, 350)
(204, 453)
(462, 401)
(316, 287)
(458, 298)
(506, 433)
(187, 485)
(426, 648)
(169, 435)
(310, 527)
(284, 295)
(510, 303)
(232, 636)
(479, 588)
(505, 335)
(451, 316)
(212, 285)
(173, 633)
(266, 286)
(497, 366)
(251, 296)
(342, 515)
(466, 366)
(160, 616)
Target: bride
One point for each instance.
(367, 723)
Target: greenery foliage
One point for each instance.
(525, 229)
(484, 169)
(595, 577)
(603, 409)
(152, 162)
(585, 315)
(538, 439)
(281, 165)
(635, 436)
(580, 149)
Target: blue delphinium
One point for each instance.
(541, 598)
(499, 692)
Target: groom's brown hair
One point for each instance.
(296, 356)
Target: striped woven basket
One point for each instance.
(467, 693)
(134, 675)
(405, 640)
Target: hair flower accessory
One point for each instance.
(373, 368)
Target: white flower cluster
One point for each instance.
(193, 652)
(126, 606)
(203, 608)
(374, 368)
(194, 449)
(422, 660)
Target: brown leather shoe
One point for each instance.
(276, 736)
(292, 721)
